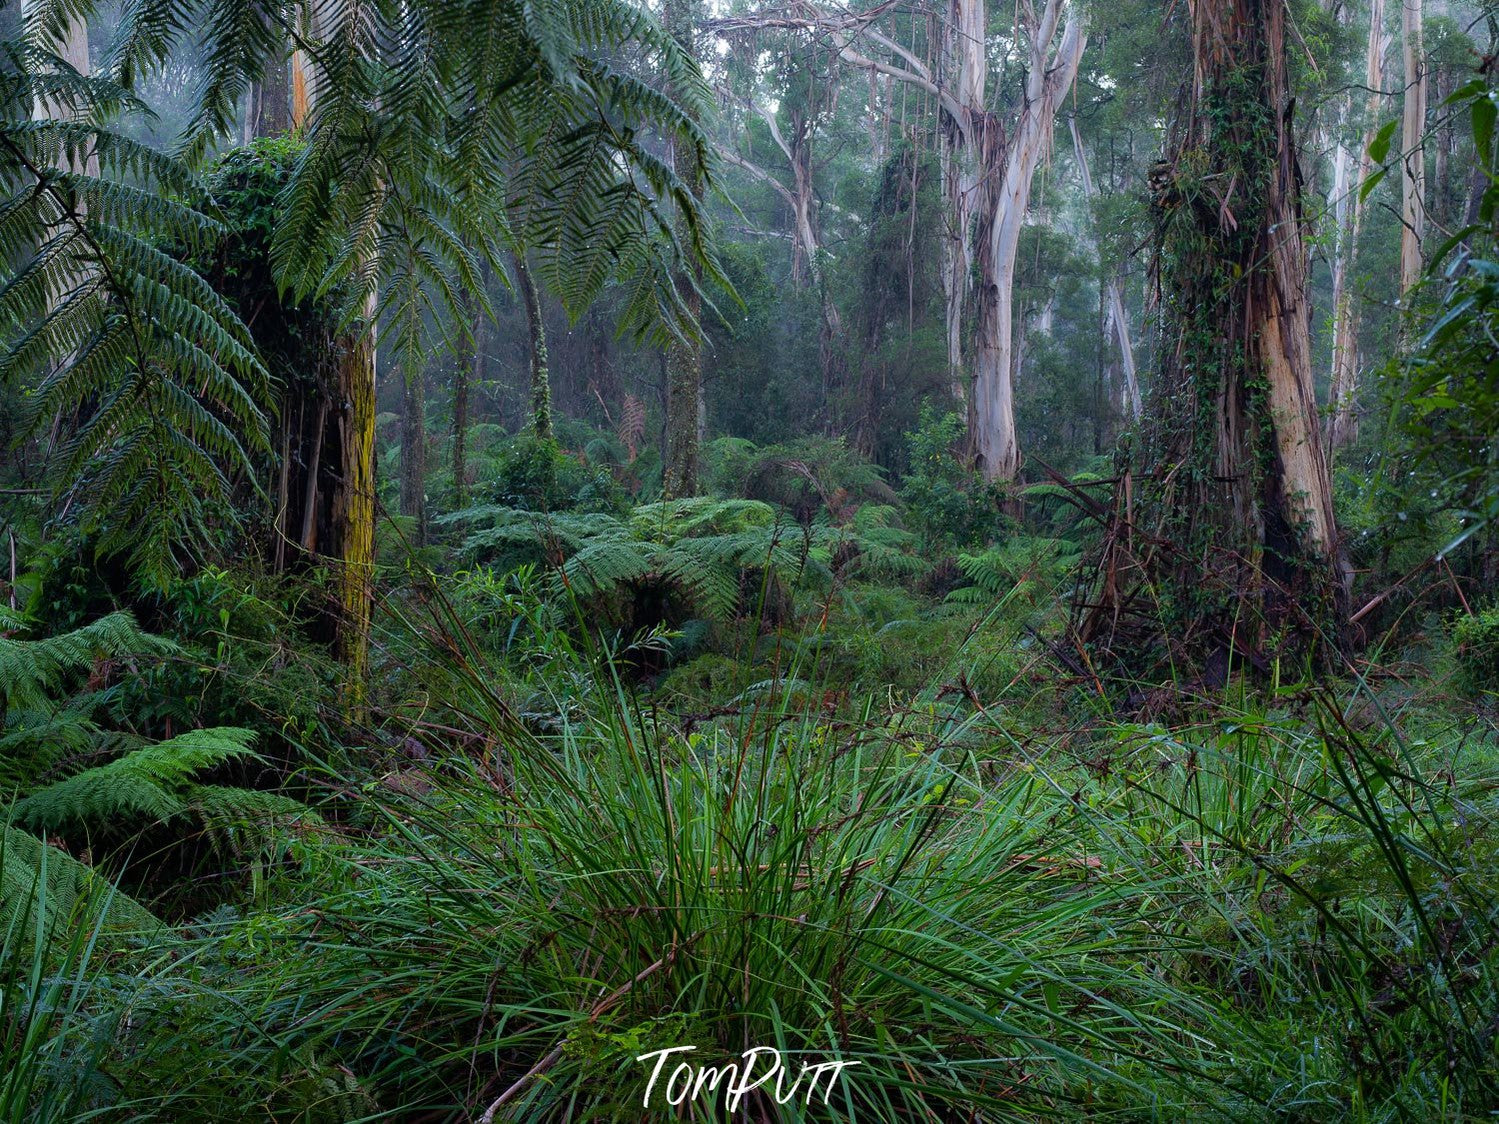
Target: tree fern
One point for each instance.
(151, 377)
(71, 772)
(152, 783)
(1021, 567)
(701, 547)
(38, 881)
(445, 132)
(35, 672)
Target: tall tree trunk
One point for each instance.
(541, 384)
(414, 453)
(1238, 485)
(964, 124)
(470, 364)
(1118, 324)
(1412, 130)
(684, 360)
(352, 502)
(1006, 196)
(1348, 198)
(354, 506)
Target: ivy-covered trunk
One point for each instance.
(1227, 541)
(541, 381)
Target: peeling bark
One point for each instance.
(1005, 199)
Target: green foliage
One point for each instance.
(42, 886)
(807, 476)
(535, 474)
(108, 333)
(1448, 408)
(68, 773)
(946, 502)
(1029, 569)
(153, 782)
(53, 1042)
(697, 550)
(1475, 644)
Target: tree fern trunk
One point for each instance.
(414, 453)
(541, 385)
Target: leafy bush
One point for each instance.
(946, 503)
(1475, 642)
(534, 474)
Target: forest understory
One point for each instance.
(614, 560)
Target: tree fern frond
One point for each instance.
(151, 782)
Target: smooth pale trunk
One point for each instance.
(995, 442)
(1113, 297)
(1413, 128)
(1343, 425)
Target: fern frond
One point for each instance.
(150, 783)
(41, 886)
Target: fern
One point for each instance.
(50, 727)
(107, 329)
(701, 547)
(34, 672)
(38, 881)
(150, 783)
(1020, 567)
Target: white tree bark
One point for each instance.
(1051, 73)
(1342, 426)
(1413, 126)
(1113, 298)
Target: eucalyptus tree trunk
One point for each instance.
(1348, 199)
(1413, 161)
(541, 384)
(1238, 485)
(1009, 165)
(964, 125)
(72, 48)
(683, 360)
(986, 179)
(1118, 323)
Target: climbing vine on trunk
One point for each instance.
(1230, 525)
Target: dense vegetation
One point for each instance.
(962, 542)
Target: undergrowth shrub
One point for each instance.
(1475, 641)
